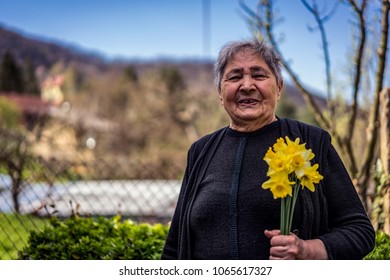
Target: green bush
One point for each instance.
(382, 247)
(95, 239)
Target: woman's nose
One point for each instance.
(247, 83)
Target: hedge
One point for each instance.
(80, 238)
(382, 247)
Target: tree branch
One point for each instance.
(374, 117)
(358, 62)
(325, 48)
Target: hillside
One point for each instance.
(41, 52)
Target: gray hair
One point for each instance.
(265, 51)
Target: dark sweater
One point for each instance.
(203, 228)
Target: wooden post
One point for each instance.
(385, 153)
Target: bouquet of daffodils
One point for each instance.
(289, 168)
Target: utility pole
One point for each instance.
(206, 27)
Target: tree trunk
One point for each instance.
(15, 195)
(385, 153)
(373, 123)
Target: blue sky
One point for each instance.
(174, 28)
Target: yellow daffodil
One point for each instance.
(279, 185)
(279, 162)
(289, 166)
(280, 145)
(301, 161)
(311, 177)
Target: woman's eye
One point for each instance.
(258, 76)
(234, 78)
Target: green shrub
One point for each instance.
(96, 239)
(10, 114)
(382, 247)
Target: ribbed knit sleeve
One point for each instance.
(351, 234)
(170, 251)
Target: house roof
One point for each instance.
(28, 104)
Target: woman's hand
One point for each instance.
(291, 247)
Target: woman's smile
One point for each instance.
(248, 101)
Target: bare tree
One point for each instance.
(264, 19)
(14, 156)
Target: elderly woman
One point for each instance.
(222, 211)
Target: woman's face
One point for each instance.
(249, 92)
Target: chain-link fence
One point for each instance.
(141, 200)
(33, 189)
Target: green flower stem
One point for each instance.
(287, 218)
(287, 208)
(294, 200)
(283, 216)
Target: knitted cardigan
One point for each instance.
(345, 236)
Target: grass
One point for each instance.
(14, 233)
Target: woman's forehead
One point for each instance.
(246, 59)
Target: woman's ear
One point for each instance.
(280, 89)
(220, 98)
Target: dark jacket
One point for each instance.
(333, 213)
